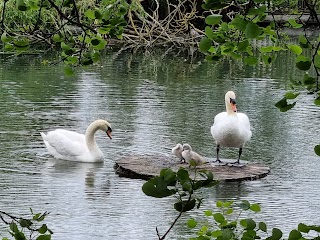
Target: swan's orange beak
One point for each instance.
(233, 104)
(109, 133)
(234, 107)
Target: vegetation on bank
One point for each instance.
(244, 30)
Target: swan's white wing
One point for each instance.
(218, 121)
(245, 125)
(66, 143)
(72, 136)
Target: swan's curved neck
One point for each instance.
(90, 139)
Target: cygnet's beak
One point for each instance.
(109, 133)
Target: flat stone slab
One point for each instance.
(148, 166)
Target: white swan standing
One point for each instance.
(190, 155)
(177, 151)
(69, 145)
(230, 128)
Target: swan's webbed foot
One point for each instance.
(220, 163)
(235, 164)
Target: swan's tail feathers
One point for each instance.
(43, 136)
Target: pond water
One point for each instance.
(153, 101)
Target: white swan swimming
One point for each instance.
(230, 128)
(177, 151)
(69, 145)
(189, 155)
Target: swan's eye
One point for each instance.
(109, 129)
(232, 101)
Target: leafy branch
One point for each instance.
(227, 223)
(22, 228)
(180, 185)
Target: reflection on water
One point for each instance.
(152, 101)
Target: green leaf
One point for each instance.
(277, 48)
(317, 150)
(248, 224)
(244, 205)
(239, 23)
(252, 30)
(257, 11)
(276, 234)
(229, 211)
(184, 206)
(255, 207)
(242, 46)
(267, 49)
(43, 229)
(209, 32)
(68, 71)
(97, 14)
(95, 41)
(250, 61)
(317, 101)
(294, 24)
(9, 47)
(268, 59)
(303, 41)
(19, 236)
(215, 57)
(219, 204)
(90, 14)
(169, 176)
(283, 105)
(21, 5)
(56, 38)
(5, 38)
(157, 188)
(303, 63)
(295, 49)
(44, 237)
(21, 42)
(249, 235)
(294, 235)
(235, 56)
(314, 228)
(191, 223)
(213, 19)
(317, 61)
(182, 174)
(14, 227)
(208, 213)
(25, 223)
(308, 80)
(218, 217)
(187, 187)
(227, 234)
(216, 233)
(303, 228)
(205, 44)
(263, 226)
(291, 95)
